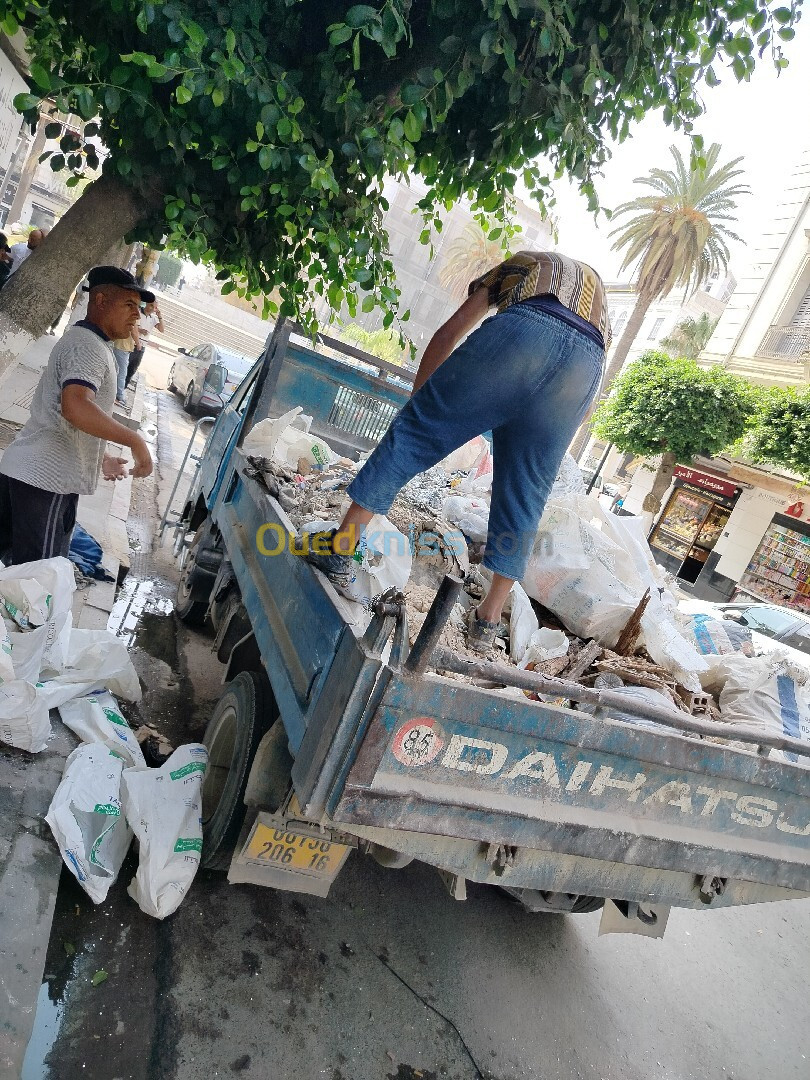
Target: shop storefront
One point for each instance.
(692, 522)
(779, 570)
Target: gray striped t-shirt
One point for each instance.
(49, 453)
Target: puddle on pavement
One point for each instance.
(46, 1027)
(137, 598)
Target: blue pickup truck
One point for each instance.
(328, 739)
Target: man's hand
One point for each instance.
(143, 459)
(114, 468)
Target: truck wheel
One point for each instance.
(539, 903)
(241, 718)
(197, 575)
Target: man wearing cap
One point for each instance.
(60, 453)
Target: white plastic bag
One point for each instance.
(382, 560)
(96, 659)
(164, 807)
(469, 513)
(293, 445)
(24, 720)
(592, 568)
(522, 622)
(283, 439)
(544, 644)
(86, 820)
(97, 719)
(261, 440)
(467, 456)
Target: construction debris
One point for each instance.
(545, 645)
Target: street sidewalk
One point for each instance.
(30, 864)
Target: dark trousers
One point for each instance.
(34, 524)
(135, 358)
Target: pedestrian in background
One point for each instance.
(122, 349)
(6, 260)
(150, 320)
(21, 250)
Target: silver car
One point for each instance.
(206, 376)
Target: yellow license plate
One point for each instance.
(291, 850)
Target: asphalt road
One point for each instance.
(389, 978)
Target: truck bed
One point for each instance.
(490, 785)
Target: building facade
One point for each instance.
(764, 332)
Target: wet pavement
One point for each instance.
(388, 978)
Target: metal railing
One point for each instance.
(786, 343)
(361, 414)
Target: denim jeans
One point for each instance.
(526, 376)
(122, 359)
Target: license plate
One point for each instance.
(289, 849)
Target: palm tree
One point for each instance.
(677, 236)
(690, 337)
(468, 256)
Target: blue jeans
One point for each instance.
(122, 359)
(526, 376)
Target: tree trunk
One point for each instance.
(37, 293)
(663, 478)
(617, 362)
(28, 170)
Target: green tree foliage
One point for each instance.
(382, 343)
(260, 131)
(169, 270)
(675, 409)
(661, 404)
(780, 434)
(690, 337)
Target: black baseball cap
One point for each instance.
(115, 275)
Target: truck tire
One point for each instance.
(532, 901)
(195, 584)
(241, 718)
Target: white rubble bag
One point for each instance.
(592, 568)
(86, 820)
(164, 809)
(97, 719)
(35, 601)
(33, 592)
(768, 692)
(24, 720)
(96, 659)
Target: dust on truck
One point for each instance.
(329, 738)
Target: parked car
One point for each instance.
(206, 376)
(772, 627)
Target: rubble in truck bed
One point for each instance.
(311, 496)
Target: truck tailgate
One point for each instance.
(446, 759)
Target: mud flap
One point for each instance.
(625, 917)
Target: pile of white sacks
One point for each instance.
(107, 792)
